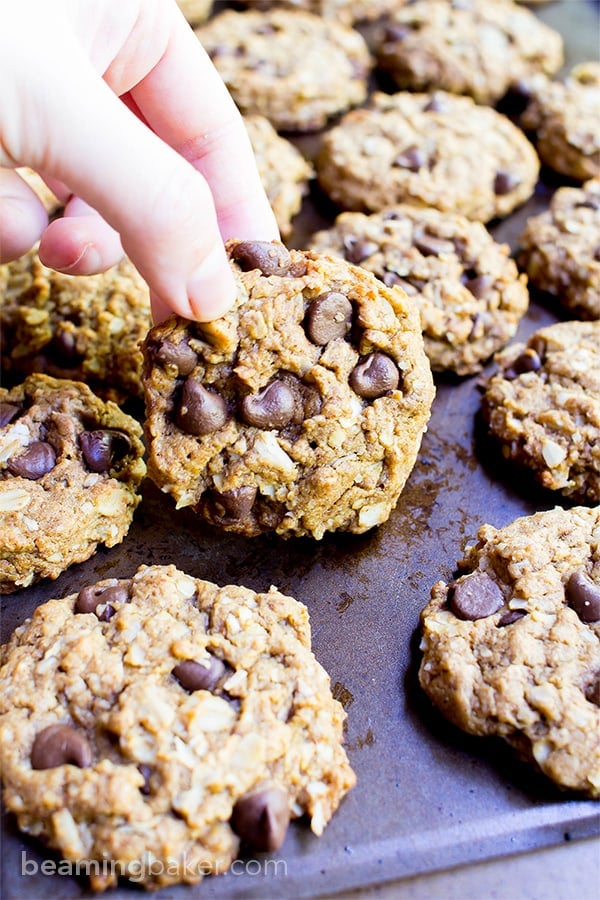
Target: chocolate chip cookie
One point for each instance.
(195, 11)
(84, 327)
(284, 172)
(467, 289)
(544, 406)
(293, 67)
(155, 724)
(564, 118)
(560, 249)
(299, 412)
(475, 47)
(438, 150)
(70, 469)
(511, 647)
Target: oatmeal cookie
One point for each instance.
(284, 172)
(83, 327)
(438, 150)
(564, 118)
(160, 721)
(70, 469)
(478, 47)
(560, 249)
(543, 405)
(293, 67)
(511, 647)
(299, 412)
(467, 289)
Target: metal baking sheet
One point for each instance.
(428, 796)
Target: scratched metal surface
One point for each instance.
(428, 796)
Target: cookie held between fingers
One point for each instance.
(560, 249)
(159, 774)
(468, 291)
(299, 412)
(512, 646)
(70, 470)
(543, 405)
(438, 150)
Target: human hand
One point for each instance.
(118, 107)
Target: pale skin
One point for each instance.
(118, 107)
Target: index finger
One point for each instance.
(184, 100)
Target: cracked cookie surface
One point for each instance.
(543, 405)
(302, 410)
(419, 149)
(468, 291)
(159, 721)
(512, 646)
(70, 469)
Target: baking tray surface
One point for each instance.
(428, 796)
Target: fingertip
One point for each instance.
(23, 222)
(80, 245)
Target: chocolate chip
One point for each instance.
(328, 317)
(413, 158)
(146, 773)
(429, 245)
(273, 407)
(592, 693)
(94, 595)
(528, 361)
(38, 460)
(63, 349)
(508, 618)
(231, 506)
(479, 285)
(8, 411)
(180, 355)
(356, 250)
(475, 597)
(103, 447)
(201, 411)
(261, 819)
(196, 676)
(590, 203)
(395, 33)
(374, 376)
(583, 596)
(59, 745)
(390, 279)
(271, 258)
(505, 182)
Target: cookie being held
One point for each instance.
(543, 405)
(155, 724)
(511, 647)
(299, 412)
(70, 470)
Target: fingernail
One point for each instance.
(211, 289)
(88, 262)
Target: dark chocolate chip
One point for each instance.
(390, 279)
(36, 461)
(583, 596)
(592, 693)
(146, 773)
(93, 595)
(509, 617)
(434, 246)
(273, 407)
(179, 355)
(479, 285)
(271, 258)
(261, 819)
(201, 411)
(475, 597)
(196, 676)
(8, 411)
(232, 506)
(103, 447)
(356, 250)
(328, 317)
(528, 361)
(374, 376)
(63, 349)
(505, 182)
(59, 745)
(413, 159)
(589, 203)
